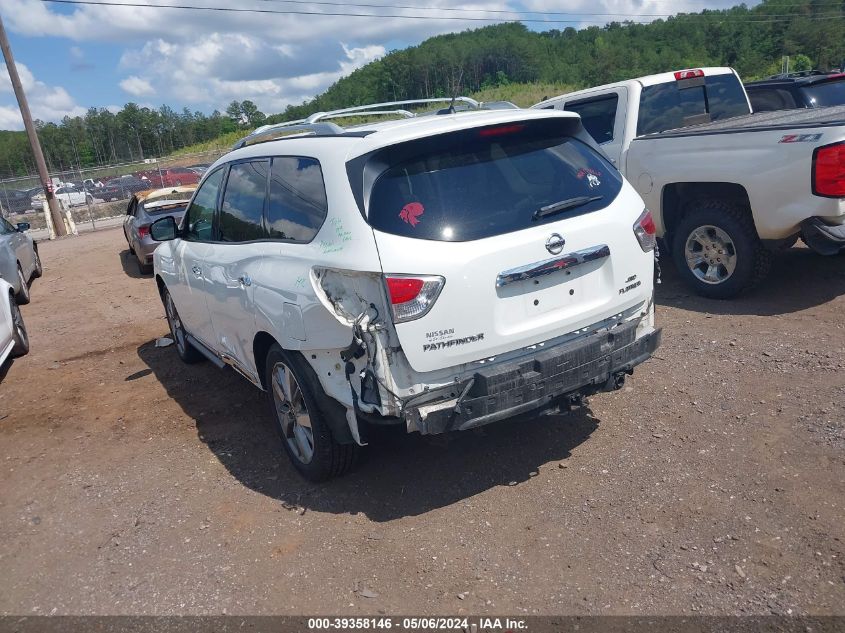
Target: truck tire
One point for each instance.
(717, 251)
(187, 352)
(294, 393)
(19, 335)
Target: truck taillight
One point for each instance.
(689, 74)
(412, 296)
(646, 231)
(829, 171)
(143, 231)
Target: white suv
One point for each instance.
(442, 271)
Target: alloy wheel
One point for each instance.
(710, 254)
(292, 413)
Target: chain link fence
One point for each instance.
(99, 193)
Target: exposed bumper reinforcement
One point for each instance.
(537, 382)
(825, 239)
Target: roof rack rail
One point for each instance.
(313, 125)
(288, 129)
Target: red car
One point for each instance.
(171, 177)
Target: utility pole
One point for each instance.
(55, 212)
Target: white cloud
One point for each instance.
(47, 103)
(137, 87)
(218, 68)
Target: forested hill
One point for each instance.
(751, 40)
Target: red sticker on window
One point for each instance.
(411, 213)
(587, 170)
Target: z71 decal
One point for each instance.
(800, 138)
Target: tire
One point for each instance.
(39, 268)
(716, 250)
(144, 269)
(187, 352)
(19, 334)
(312, 449)
(22, 296)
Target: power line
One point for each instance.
(629, 18)
(513, 11)
(521, 11)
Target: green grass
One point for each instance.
(223, 142)
(523, 95)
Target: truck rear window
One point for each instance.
(671, 105)
(487, 181)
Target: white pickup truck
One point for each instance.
(727, 188)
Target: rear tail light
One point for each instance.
(689, 74)
(412, 296)
(829, 171)
(143, 231)
(646, 231)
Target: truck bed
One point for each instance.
(762, 121)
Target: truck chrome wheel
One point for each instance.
(292, 413)
(176, 329)
(710, 254)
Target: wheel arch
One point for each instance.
(677, 199)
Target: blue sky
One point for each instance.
(72, 57)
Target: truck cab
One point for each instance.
(617, 113)
(727, 188)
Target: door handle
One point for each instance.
(245, 280)
(197, 271)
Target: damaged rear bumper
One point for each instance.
(537, 382)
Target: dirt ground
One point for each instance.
(713, 483)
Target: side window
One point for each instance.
(5, 227)
(200, 215)
(131, 209)
(597, 115)
(243, 202)
(298, 204)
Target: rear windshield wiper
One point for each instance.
(563, 205)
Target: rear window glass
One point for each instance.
(597, 115)
(829, 93)
(297, 206)
(165, 209)
(480, 183)
(769, 99)
(669, 106)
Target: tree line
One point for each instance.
(103, 137)
(751, 40)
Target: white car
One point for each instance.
(727, 188)
(14, 341)
(68, 196)
(440, 272)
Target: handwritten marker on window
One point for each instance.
(411, 212)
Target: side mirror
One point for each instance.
(164, 229)
(23, 226)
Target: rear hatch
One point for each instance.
(501, 237)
